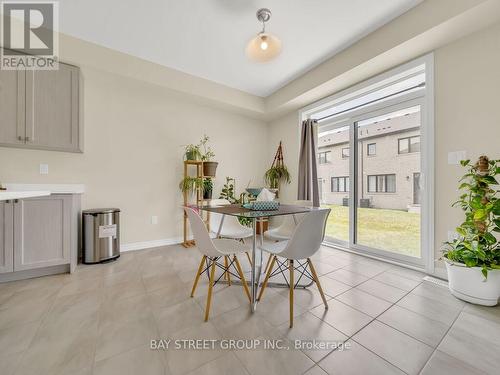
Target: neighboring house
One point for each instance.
(388, 164)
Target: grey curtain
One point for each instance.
(308, 173)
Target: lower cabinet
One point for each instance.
(6, 237)
(37, 232)
(42, 232)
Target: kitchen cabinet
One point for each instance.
(38, 234)
(39, 109)
(52, 109)
(42, 232)
(12, 107)
(6, 237)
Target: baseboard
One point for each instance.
(36, 272)
(149, 244)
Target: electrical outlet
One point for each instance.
(452, 235)
(154, 220)
(44, 169)
(455, 157)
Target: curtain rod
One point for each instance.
(370, 102)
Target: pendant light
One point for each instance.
(264, 47)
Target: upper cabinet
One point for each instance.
(12, 107)
(40, 109)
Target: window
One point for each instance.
(382, 183)
(409, 145)
(340, 184)
(345, 152)
(324, 157)
(371, 149)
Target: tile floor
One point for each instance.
(100, 320)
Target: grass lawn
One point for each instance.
(391, 230)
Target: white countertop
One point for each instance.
(51, 188)
(6, 195)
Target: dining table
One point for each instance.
(255, 216)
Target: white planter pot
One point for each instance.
(469, 284)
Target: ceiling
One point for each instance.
(207, 38)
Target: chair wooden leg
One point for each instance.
(268, 274)
(316, 280)
(227, 274)
(198, 274)
(292, 284)
(210, 287)
(268, 262)
(248, 257)
(242, 276)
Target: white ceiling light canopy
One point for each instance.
(264, 47)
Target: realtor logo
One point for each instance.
(29, 35)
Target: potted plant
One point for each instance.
(209, 166)
(192, 152)
(207, 188)
(278, 173)
(190, 184)
(473, 259)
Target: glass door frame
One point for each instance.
(427, 152)
(353, 194)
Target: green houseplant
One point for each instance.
(473, 258)
(209, 166)
(278, 173)
(227, 193)
(192, 152)
(208, 187)
(190, 184)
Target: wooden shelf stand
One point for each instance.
(199, 200)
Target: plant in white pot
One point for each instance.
(473, 259)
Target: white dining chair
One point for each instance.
(284, 231)
(212, 250)
(304, 243)
(231, 227)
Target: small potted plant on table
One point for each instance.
(473, 259)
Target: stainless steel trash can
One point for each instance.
(101, 235)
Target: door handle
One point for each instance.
(28, 139)
(19, 138)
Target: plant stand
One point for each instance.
(199, 200)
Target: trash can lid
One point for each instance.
(100, 211)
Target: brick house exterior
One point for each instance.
(388, 164)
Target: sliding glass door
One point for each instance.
(335, 179)
(375, 164)
(387, 165)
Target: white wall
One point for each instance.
(133, 133)
(467, 117)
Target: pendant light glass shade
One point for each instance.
(264, 47)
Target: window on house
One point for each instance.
(345, 152)
(382, 183)
(409, 145)
(340, 184)
(371, 149)
(324, 157)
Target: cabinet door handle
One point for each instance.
(7, 201)
(28, 139)
(19, 138)
(16, 200)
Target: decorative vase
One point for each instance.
(469, 284)
(209, 168)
